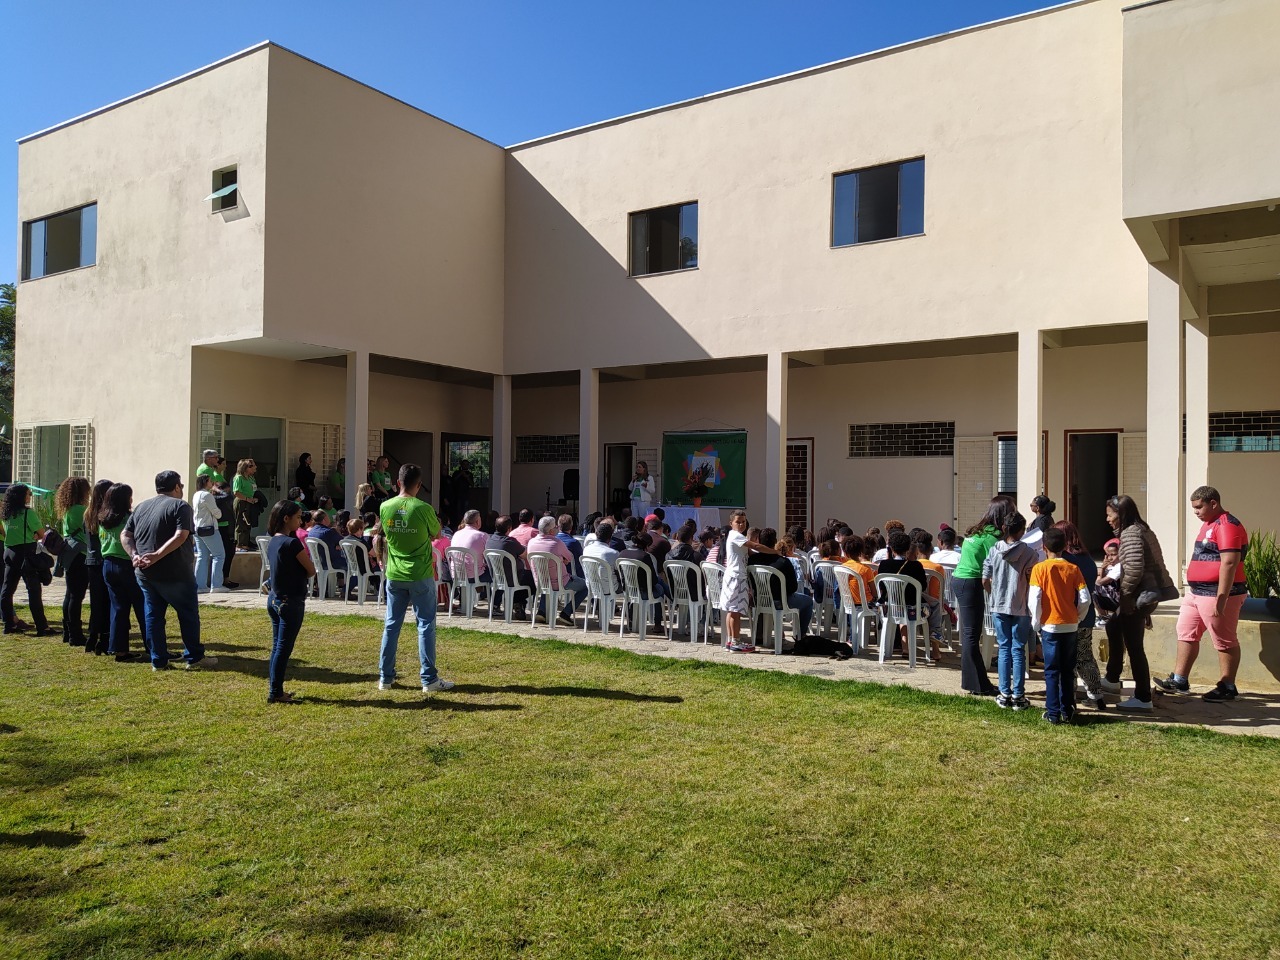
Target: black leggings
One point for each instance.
(77, 580)
(971, 604)
(17, 567)
(99, 611)
(1125, 631)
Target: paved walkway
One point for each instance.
(1257, 714)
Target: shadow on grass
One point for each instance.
(35, 762)
(595, 693)
(424, 703)
(301, 671)
(41, 838)
(8, 728)
(356, 923)
(236, 647)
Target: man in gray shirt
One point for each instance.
(159, 536)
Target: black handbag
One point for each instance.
(208, 531)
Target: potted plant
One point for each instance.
(695, 483)
(1262, 575)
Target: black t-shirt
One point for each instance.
(152, 523)
(288, 579)
(635, 553)
(906, 568)
(784, 567)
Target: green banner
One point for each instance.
(724, 453)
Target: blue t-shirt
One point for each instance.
(288, 579)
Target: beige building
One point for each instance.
(897, 273)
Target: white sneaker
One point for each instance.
(1109, 687)
(439, 685)
(220, 590)
(1133, 703)
(386, 684)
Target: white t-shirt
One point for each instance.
(206, 509)
(948, 558)
(735, 555)
(881, 555)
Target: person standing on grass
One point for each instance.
(409, 525)
(99, 599)
(291, 572)
(1006, 574)
(734, 597)
(1058, 598)
(1215, 595)
(69, 503)
(122, 586)
(1086, 663)
(158, 537)
(22, 531)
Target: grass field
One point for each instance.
(581, 802)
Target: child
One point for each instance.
(1058, 598)
(734, 599)
(1006, 572)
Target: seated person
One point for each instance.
(602, 548)
(640, 550)
(320, 530)
(469, 536)
(303, 526)
(898, 562)
(660, 545)
(517, 573)
(525, 530)
(768, 537)
(546, 541)
(855, 548)
(890, 528)
(565, 536)
(355, 533)
(947, 554)
(922, 547)
(685, 550)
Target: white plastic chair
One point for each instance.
(506, 584)
(693, 600)
(638, 595)
(825, 614)
(464, 566)
(988, 635)
(898, 613)
(327, 575)
(806, 571)
(357, 555)
(713, 574)
(933, 576)
(602, 593)
(264, 572)
(763, 578)
(862, 611)
(543, 564)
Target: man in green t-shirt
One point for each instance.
(409, 525)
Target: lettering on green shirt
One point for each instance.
(22, 528)
(73, 521)
(111, 546)
(409, 524)
(245, 486)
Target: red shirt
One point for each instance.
(1226, 533)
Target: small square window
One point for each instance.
(664, 239)
(226, 192)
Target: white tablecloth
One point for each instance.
(702, 516)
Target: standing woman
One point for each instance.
(1042, 510)
(338, 482)
(117, 570)
(210, 556)
(243, 487)
(22, 531)
(291, 572)
(305, 478)
(643, 490)
(1144, 572)
(966, 583)
(99, 599)
(69, 503)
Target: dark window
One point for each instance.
(225, 194)
(878, 203)
(1244, 431)
(64, 241)
(933, 438)
(664, 239)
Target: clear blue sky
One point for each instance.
(508, 71)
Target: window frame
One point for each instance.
(831, 233)
(216, 204)
(24, 271)
(631, 215)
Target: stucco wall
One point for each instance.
(1242, 376)
(388, 224)
(1020, 128)
(111, 342)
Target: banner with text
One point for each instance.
(723, 454)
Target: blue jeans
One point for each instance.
(209, 561)
(158, 596)
(1059, 672)
(576, 586)
(286, 620)
(805, 605)
(125, 594)
(401, 593)
(1012, 634)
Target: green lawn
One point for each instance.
(579, 802)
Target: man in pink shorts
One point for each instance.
(1217, 591)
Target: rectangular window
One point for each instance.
(878, 203)
(664, 239)
(1244, 431)
(934, 438)
(225, 194)
(62, 242)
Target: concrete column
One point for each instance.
(1030, 416)
(588, 441)
(1195, 392)
(775, 443)
(356, 448)
(1165, 405)
(500, 465)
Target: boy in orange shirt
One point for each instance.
(852, 547)
(1058, 599)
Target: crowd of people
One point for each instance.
(1037, 581)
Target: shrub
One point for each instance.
(1262, 565)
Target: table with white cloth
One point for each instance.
(703, 516)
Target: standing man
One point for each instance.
(1216, 592)
(409, 525)
(159, 537)
(212, 468)
(461, 492)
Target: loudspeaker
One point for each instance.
(571, 484)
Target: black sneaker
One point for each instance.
(1054, 718)
(1171, 684)
(1221, 694)
(1004, 701)
(1022, 703)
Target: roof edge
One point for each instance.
(805, 72)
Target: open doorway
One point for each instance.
(619, 468)
(411, 446)
(260, 439)
(465, 464)
(1093, 475)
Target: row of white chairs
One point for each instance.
(331, 580)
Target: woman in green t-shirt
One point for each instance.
(243, 489)
(117, 571)
(69, 505)
(22, 531)
(99, 598)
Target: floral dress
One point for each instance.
(733, 591)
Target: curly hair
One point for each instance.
(71, 492)
(15, 501)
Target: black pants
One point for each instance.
(227, 532)
(1125, 631)
(971, 602)
(99, 611)
(16, 567)
(77, 580)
